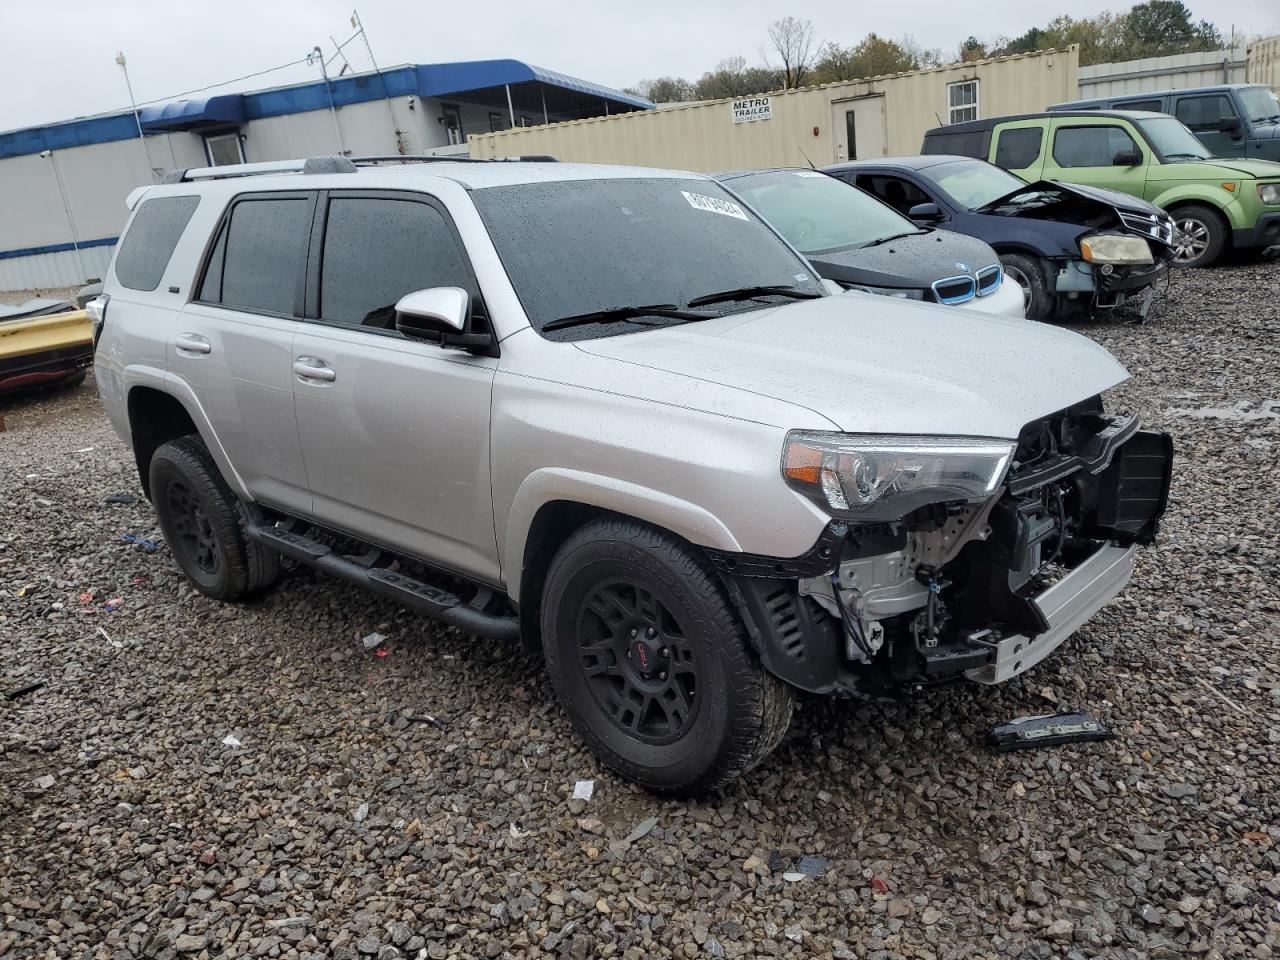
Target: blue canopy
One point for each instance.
(452, 79)
(190, 114)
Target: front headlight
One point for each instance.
(887, 291)
(1269, 193)
(877, 477)
(1113, 248)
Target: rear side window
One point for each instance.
(1155, 106)
(260, 257)
(145, 251)
(967, 144)
(1090, 146)
(1018, 147)
(376, 250)
(1205, 113)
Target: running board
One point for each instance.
(432, 600)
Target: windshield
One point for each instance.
(1172, 140)
(973, 183)
(818, 213)
(579, 247)
(1260, 103)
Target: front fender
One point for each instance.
(1216, 197)
(551, 484)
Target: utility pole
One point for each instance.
(386, 92)
(318, 54)
(66, 209)
(120, 60)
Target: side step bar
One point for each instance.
(433, 601)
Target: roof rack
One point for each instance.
(317, 165)
(309, 165)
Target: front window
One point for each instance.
(574, 248)
(1172, 140)
(972, 183)
(1260, 104)
(818, 214)
(962, 101)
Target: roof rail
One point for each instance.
(397, 158)
(307, 166)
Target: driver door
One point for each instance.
(1088, 153)
(394, 432)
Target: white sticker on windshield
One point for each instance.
(714, 205)
(808, 173)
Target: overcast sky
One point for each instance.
(59, 55)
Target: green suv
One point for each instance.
(1215, 203)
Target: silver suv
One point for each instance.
(614, 413)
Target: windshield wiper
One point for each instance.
(896, 236)
(1186, 156)
(610, 314)
(750, 293)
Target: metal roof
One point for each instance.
(480, 80)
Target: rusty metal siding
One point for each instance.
(703, 137)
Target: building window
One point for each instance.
(962, 101)
(496, 122)
(223, 149)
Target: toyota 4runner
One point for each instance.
(612, 412)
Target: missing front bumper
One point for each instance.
(1065, 606)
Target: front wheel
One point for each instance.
(1199, 236)
(651, 661)
(1026, 272)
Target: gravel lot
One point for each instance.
(335, 824)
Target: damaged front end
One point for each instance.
(982, 587)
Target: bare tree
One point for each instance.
(793, 41)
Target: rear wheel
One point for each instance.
(1199, 235)
(1026, 272)
(651, 662)
(204, 523)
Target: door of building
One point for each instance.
(858, 128)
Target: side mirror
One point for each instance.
(438, 315)
(1127, 158)
(1231, 125)
(928, 212)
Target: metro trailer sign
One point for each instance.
(752, 108)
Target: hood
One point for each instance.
(1201, 169)
(1065, 196)
(873, 364)
(911, 262)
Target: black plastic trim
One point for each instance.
(821, 558)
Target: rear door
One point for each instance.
(1097, 152)
(1205, 114)
(1019, 147)
(233, 343)
(395, 432)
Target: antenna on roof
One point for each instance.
(806, 157)
(938, 118)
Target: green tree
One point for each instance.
(872, 56)
(1160, 27)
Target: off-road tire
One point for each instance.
(236, 567)
(1211, 231)
(741, 711)
(1027, 272)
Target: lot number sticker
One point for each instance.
(714, 205)
(752, 108)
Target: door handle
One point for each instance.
(192, 343)
(312, 368)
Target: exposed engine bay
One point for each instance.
(983, 590)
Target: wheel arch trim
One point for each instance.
(550, 484)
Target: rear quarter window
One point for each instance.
(259, 260)
(968, 144)
(1018, 147)
(150, 241)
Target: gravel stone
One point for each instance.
(932, 846)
